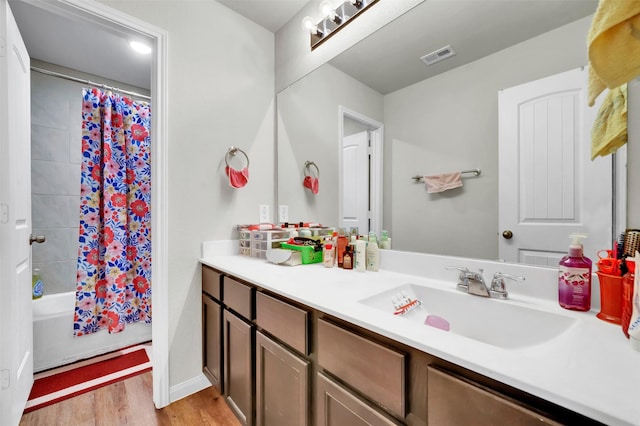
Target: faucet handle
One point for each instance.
(464, 273)
(498, 289)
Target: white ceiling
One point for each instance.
(389, 59)
(386, 61)
(75, 44)
(271, 14)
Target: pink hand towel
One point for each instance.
(443, 181)
(311, 183)
(237, 178)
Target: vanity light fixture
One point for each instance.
(333, 19)
(140, 47)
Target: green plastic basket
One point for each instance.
(309, 255)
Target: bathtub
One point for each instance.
(54, 343)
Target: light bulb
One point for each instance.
(309, 25)
(326, 8)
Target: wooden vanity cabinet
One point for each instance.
(282, 366)
(212, 341)
(283, 363)
(282, 385)
(212, 327)
(454, 400)
(238, 348)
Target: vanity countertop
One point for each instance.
(590, 368)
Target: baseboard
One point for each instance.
(189, 387)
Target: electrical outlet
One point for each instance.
(283, 214)
(264, 213)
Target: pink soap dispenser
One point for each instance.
(574, 277)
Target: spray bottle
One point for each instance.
(574, 277)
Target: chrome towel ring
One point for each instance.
(308, 165)
(232, 152)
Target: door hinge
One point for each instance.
(5, 379)
(3, 47)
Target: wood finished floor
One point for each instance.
(130, 402)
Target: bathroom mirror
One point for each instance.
(437, 118)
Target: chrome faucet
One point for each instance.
(473, 283)
(498, 290)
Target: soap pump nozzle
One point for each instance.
(575, 248)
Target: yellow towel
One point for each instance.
(609, 130)
(614, 45)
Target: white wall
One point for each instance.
(221, 79)
(450, 123)
(308, 131)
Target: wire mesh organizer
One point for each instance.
(631, 242)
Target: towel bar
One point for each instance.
(474, 173)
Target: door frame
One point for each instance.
(375, 165)
(123, 24)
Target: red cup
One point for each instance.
(610, 298)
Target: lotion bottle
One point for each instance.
(361, 256)
(373, 255)
(574, 277)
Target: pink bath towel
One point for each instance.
(443, 181)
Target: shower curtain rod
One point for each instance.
(89, 82)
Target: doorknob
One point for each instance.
(507, 234)
(37, 239)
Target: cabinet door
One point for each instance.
(453, 401)
(336, 406)
(212, 341)
(238, 366)
(282, 394)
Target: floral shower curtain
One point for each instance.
(114, 256)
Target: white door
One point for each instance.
(355, 188)
(16, 336)
(548, 185)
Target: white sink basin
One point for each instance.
(497, 322)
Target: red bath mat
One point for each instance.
(68, 381)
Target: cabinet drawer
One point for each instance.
(336, 406)
(375, 370)
(284, 321)
(454, 401)
(238, 297)
(211, 282)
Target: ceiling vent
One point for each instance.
(438, 55)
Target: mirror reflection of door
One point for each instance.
(360, 172)
(355, 172)
(548, 185)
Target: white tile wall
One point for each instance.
(56, 119)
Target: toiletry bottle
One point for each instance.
(347, 258)
(328, 258)
(341, 245)
(574, 277)
(361, 256)
(37, 287)
(385, 241)
(627, 296)
(373, 255)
